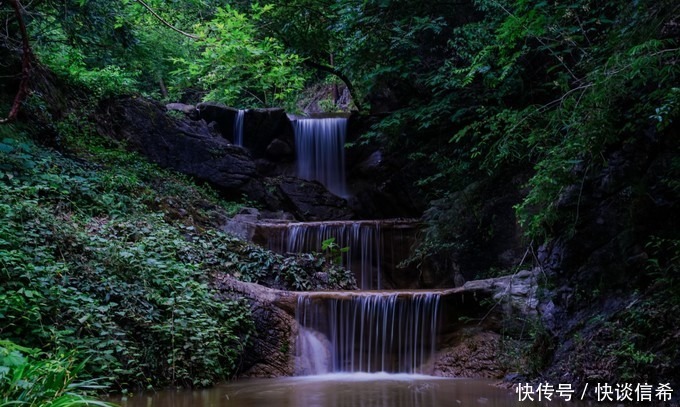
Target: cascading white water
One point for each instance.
(368, 332)
(238, 127)
(312, 353)
(376, 332)
(362, 238)
(320, 149)
(376, 247)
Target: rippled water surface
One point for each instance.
(339, 390)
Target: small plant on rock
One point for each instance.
(332, 251)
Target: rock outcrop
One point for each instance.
(184, 145)
(219, 117)
(602, 264)
(201, 148)
(476, 319)
(466, 349)
(307, 200)
(270, 352)
(268, 133)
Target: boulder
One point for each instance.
(278, 150)
(189, 110)
(243, 223)
(309, 200)
(184, 145)
(221, 115)
(270, 352)
(262, 126)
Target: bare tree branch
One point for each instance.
(25, 63)
(340, 75)
(167, 24)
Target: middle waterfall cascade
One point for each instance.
(320, 149)
(375, 247)
(238, 127)
(368, 332)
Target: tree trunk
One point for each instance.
(25, 63)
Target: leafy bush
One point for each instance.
(239, 66)
(94, 258)
(29, 377)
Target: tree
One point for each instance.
(237, 65)
(26, 61)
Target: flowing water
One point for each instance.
(354, 348)
(342, 390)
(375, 247)
(374, 332)
(320, 149)
(238, 127)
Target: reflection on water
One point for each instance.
(340, 390)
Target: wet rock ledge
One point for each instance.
(469, 337)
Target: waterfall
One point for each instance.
(363, 240)
(375, 247)
(312, 353)
(375, 332)
(320, 149)
(238, 127)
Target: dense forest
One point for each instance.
(554, 123)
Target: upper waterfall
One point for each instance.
(320, 149)
(238, 127)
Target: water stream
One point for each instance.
(378, 332)
(320, 149)
(343, 390)
(238, 127)
(354, 348)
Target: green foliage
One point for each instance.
(96, 257)
(540, 88)
(29, 377)
(332, 251)
(239, 66)
(664, 269)
(528, 349)
(86, 265)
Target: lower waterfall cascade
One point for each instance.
(371, 332)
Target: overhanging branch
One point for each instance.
(340, 75)
(165, 22)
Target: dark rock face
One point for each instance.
(307, 200)
(382, 183)
(278, 149)
(270, 352)
(261, 127)
(600, 269)
(184, 145)
(221, 115)
(619, 205)
(266, 132)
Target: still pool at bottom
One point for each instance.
(339, 390)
